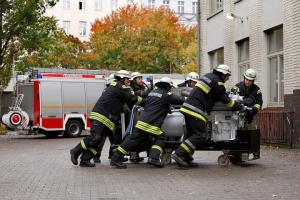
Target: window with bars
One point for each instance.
(82, 28)
(276, 66)
(216, 57)
(66, 27)
(151, 3)
(243, 57)
(66, 4)
(180, 6)
(98, 5)
(216, 6)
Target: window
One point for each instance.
(82, 28)
(276, 67)
(82, 4)
(243, 57)
(114, 5)
(66, 27)
(66, 4)
(180, 6)
(129, 1)
(194, 7)
(215, 6)
(166, 3)
(216, 57)
(151, 3)
(98, 5)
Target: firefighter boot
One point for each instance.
(75, 153)
(112, 150)
(97, 158)
(85, 159)
(179, 160)
(117, 161)
(154, 156)
(155, 162)
(189, 160)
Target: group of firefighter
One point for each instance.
(123, 91)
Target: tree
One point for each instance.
(140, 39)
(19, 22)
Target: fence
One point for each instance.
(276, 125)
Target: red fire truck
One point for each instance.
(55, 103)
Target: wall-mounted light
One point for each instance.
(233, 16)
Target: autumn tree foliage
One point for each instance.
(141, 39)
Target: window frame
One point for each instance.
(82, 32)
(215, 57)
(66, 4)
(214, 8)
(180, 8)
(65, 22)
(279, 55)
(166, 3)
(114, 5)
(98, 5)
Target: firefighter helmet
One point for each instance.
(110, 79)
(224, 69)
(250, 74)
(164, 81)
(192, 76)
(122, 74)
(135, 75)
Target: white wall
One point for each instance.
(215, 32)
(272, 13)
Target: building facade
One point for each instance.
(76, 16)
(261, 34)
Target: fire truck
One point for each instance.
(55, 103)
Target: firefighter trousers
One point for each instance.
(196, 137)
(92, 144)
(114, 139)
(140, 141)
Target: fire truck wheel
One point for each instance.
(73, 128)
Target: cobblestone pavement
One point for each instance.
(34, 167)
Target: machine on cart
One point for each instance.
(229, 133)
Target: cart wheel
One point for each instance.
(166, 158)
(223, 160)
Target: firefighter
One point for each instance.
(209, 89)
(114, 139)
(138, 85)
(149, 125)
(252, 96)
(140, 89)
(104, 117)
(190, 80)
